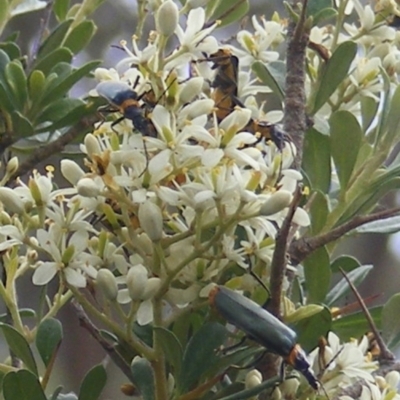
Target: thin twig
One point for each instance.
(302, 248)
(86, 323)
(385, 353)
(279, 259)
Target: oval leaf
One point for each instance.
(172, 348)
(48, 339)
(317, 151)
(143, 378)
(22, 385)
(342, 287)
(317, 274)
(200, 354)
(346, 136)
(80, 36)
(93, 383)
(336, 70)
(387, 225)
(19, 346)
(391, 321)
(273, 75)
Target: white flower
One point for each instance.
(194, 41)
(256, 46)
(65, 255)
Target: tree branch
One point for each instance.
(302, 248)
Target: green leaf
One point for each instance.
(355, 325)
(23, 313)
(48, 339)
(71, 118)
(80, 36)
(28, 6)
(311, 329)
(36, 83)
(346, 263)
(317, 160)
(393, 120)
(22, 127)
(172, 348)
(60, 8)
(319, 212)
(65, 83)
(55, 39)
(6, 99)
(334, 73)
(19, 346)
(387, 225)
(391, 321)
(323, 15)
(230, 11)
(22, 385)
(346, 136)
(13, 51)
(303, 312)
(93, 383)
(316, 6)
(47, 63)
(317, 274)
(17, 82)
(272, 75)
(143, 378)
(342, 288)
(5, 9)
(59, 109)
(369, 108)
(200, 354)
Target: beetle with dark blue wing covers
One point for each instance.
(262, 327)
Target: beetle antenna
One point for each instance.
(258, 279)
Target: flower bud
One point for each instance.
(5, 218)
(301, 217)
(191, 90)
(136, 281)
(152, 285)
(167, 18)
(32, 256)
(71, 171)
(12, 166)
(88, 188)
(200, 107)
(289, 388)
(171, 383)
(92, 145)
(277, 202)
(393, 378)
(253, 378)
(107, 283)
(12, 203)
(151, 220)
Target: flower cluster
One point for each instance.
(172, 212)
